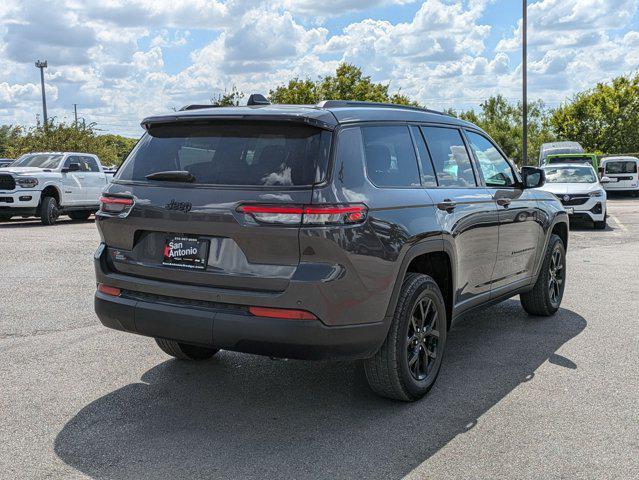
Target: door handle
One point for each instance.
(447, 205)
(504, 202)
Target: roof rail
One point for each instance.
(196, 107)
(359, 103)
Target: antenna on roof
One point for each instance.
(257, 99)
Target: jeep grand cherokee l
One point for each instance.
(342, 229)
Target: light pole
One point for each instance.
(524, 71)
(42, 66)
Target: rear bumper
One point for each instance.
(238, 330)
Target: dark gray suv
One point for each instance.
(343, 229)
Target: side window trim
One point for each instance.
(411, 129)
(516, 176)
(471, 158)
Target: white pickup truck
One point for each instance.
(50, 184)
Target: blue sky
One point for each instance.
(121, 60)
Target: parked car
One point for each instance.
(622, 174)
(555, 148)
(5, 162)
(579, 190)
(49, 184)
(574, 158)
(338, 230)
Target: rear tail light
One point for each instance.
(284, 313)
(306, 214)
(109, 290)
(116, 205)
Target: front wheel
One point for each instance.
(184, 351)
(407, 364)
(601, 225)
(49, 211)
(545, 297)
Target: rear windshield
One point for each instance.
(250, 154)
(621, 167)
(575, 159)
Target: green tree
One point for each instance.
(228, 99)
(604, 119)
(502, 120)
(8, 136)
(348, 83)
(112, 149)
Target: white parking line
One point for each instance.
(621, 226)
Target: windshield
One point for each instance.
(570, 175)
(39, 160)
(246, 153)
(629, 166)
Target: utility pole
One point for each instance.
(42, 66)
(524, 71)
(75, 114)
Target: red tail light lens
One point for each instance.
(116, 205)
(306, 214)
(109, 290)
(284, 313)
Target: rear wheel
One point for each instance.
(49, 211)
(407, 364)
(184, 351)
(545, 297)
(80, 214)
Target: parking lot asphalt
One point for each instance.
(517, 397)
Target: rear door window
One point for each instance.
(390, 156)
(241, 153)
(450, 157)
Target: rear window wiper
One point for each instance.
(172, 176)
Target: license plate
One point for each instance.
(570, 210)
(186, 252)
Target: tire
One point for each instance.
(49, 211)
(601, 225)
(184, 351)
(539, 301)
(5, 218)
(390, 372)
(80, 214)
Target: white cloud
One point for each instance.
(118, 58)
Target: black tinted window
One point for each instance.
(390, 156)
(450, 157)
(260, 154)
(428, 174)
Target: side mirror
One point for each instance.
(533, 177)
(605, 180)
(73, 167)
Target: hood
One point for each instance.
(21, 170)
(571, 188)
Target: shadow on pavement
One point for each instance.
(248, 417)
(36, 223)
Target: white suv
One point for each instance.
(48, 184)
(579, 190)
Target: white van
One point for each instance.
(622, 172)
